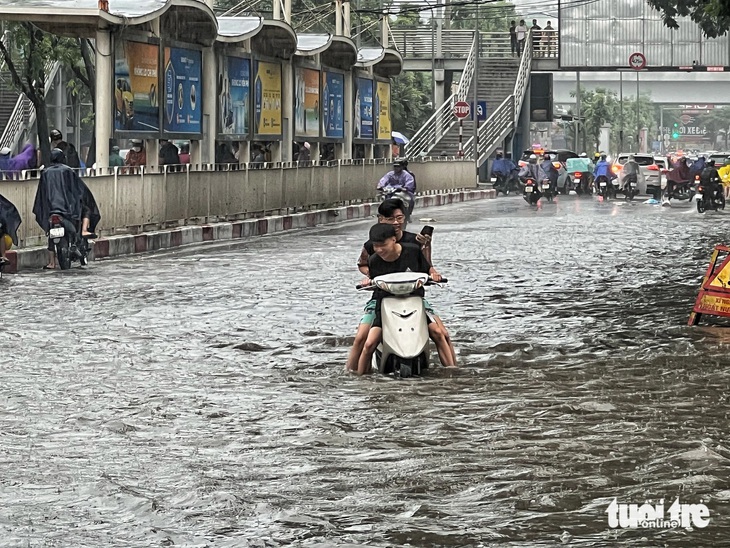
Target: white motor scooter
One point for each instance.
(404, 349)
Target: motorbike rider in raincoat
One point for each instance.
(62, 192)
(400, 179)
(532, 171)
(504, 169)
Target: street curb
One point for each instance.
(128, 244)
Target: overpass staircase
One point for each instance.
(503, 81)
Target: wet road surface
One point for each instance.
(197, 398)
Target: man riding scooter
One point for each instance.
(504, 171)
(551, 172)
(399, 183)
(580, 171)
(603, 174)
(711, 184)
(61, 192)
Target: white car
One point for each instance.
(650, 181)
(664, 168)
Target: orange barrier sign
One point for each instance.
(714, 296)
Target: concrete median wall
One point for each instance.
(149, 201)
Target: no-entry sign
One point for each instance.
(462, 109)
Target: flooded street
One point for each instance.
(197, 398)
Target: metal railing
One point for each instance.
(545, 44)
(494, 45)
(422, 43)
(506, 115)
(443, 118)
(23, 114)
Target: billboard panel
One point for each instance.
(333, 105)
(183, 108)
(306, 102)
(602, 35)
(136, 81)
(382, 110)
(267, 99)
(234, 91)
(363, 109)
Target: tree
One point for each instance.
(492, 16)
(410, 96)
(713, 16)
(648, 116)
(716, 122)
(597, 108)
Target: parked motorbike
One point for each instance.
(531, 193)
(397, 192)
(404, 350)
(69, 245)
(547, 190)
(706, 201)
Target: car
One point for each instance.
(719, 157)
(650, 171)
(664, 167)
(559, 157)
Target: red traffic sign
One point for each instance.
(462, 109)
(637, 61)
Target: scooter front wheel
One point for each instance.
(700, 206)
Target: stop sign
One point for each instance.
(462, 109)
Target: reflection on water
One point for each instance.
(194, 399)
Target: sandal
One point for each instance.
(49, 267)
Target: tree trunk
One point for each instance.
(41, 120)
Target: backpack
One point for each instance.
(72, 156)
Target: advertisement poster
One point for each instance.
(363, 109)
(267, 98)
(234, 90)
(182, 91)
(382, 110)
(333, 104)
(306, 102)
(136, 99)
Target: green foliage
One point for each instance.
(597, 108)
(410, 97)
(713, 16)
(492, 16)
(717, 121)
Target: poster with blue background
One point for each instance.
(363, 109)
(333, 104)
(183, 105)
(234, 90)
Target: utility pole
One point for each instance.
(475, 148)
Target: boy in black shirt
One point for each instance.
(392, 257)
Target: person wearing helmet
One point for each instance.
(710, 178)
(551, 172)
(630, 173)
(603, 171)
(580, 173)
(532, 171)
(679, 176)
(115, 160)
(137, 156)
(62, 192)
(399, 181)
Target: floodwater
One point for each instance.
(197, 398)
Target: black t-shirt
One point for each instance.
(407, 238)
(411, 259)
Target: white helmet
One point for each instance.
(583, 155)
(533, 157)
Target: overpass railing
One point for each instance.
(455, 43)
(443, 118)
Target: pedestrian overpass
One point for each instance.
(487, 68)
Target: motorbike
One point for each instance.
(581, 183)
(684, 190)
(397, 192)
(504, 183)
(547, 190)
(69, 245)
(404, 350)
(603, 186)
(706, 201)
(531, 192)
(630, 189)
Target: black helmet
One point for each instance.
(57, 156)
(56, 135)
(711, 162)
(401, 163)
(499, 155)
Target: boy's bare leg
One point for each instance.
(373, 340)
(357, 345)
